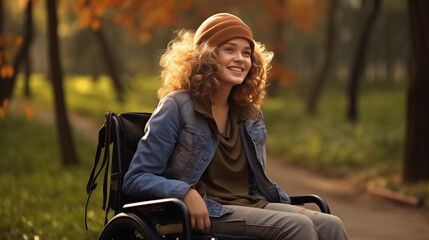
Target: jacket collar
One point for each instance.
(203, 106)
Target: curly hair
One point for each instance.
(191, 68)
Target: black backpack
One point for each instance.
(123, 131)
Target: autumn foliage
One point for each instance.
(300, 13)
(8, 47)
(139, 16)
(304, 13)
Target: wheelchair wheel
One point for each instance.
(128, 226)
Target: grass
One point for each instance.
(369, 151)
(39, 199)
(372, 146)
(93, 97)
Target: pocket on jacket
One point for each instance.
(188, 152)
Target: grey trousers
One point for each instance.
(279, 221)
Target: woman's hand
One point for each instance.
(200, 220)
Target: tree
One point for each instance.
(416, 160)
(68, 154)
(320, 80)
(303, 15)
(359, 62)
(110, 63)
(7, 45)
(138, 16)
(90, 13)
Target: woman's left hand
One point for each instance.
(200, 219)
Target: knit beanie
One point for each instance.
(222, 27)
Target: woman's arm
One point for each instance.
(144, 177)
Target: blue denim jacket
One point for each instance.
(177, 147)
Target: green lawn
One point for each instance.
(39, 199)
(371, 147)
(93, 97)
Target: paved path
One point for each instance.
(365, 216)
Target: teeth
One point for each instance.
(236, 69)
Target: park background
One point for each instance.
(336, 104)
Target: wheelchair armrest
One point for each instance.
(172, 205)
(300, 200)
(177, 207)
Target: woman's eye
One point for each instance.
(247, 53)
(228, 49)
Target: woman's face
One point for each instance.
(234, 61)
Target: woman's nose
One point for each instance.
(238, 57)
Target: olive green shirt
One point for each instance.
(226, 179)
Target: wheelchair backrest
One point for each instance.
(128, 130)
(123, 131)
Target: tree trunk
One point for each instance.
(1, 28)
(27, 72)
(416, 161)
(2, 59)
(359, 62)
(68, 153)
(276, 72)
(330, 37)
(388, 48)
(110, 65)
(7, 84)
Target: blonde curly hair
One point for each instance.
(191, 68)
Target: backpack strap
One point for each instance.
(104, 140)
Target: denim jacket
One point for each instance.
(177, 147)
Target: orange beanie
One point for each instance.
(222, 27)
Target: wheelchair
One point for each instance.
(151, 219)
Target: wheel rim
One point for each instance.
(126, 227)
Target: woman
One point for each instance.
(205, 142)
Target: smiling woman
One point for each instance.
(205, 143)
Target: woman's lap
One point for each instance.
(279, 221)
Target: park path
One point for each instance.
(365, 216)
